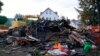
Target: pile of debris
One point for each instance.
(30, 41)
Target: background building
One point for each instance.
(49, 14)
(75, 23)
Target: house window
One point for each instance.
(46, 18)
(46, 12)
(49, 12)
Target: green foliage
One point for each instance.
(84, 11)
(1, 4)
(8, 23)
(89, 10)
(19, 17)
(3, 19)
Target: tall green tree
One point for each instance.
(89, 10)
(1, 4)
(84, 10)
(3, 19)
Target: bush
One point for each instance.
(3, 19)
(8, 24)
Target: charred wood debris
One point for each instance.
(36, 39)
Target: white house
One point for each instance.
(49, 14)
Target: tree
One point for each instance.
(1, 4)
(84, 11)
(18, 17)
(8, 23)
(89, 10)
(63, 17)
(3, 19)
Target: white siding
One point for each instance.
(49, 15)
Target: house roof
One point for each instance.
(48, 9)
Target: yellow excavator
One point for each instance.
(25, 18)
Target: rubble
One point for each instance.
(46, 43)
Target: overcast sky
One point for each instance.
(63, 7)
